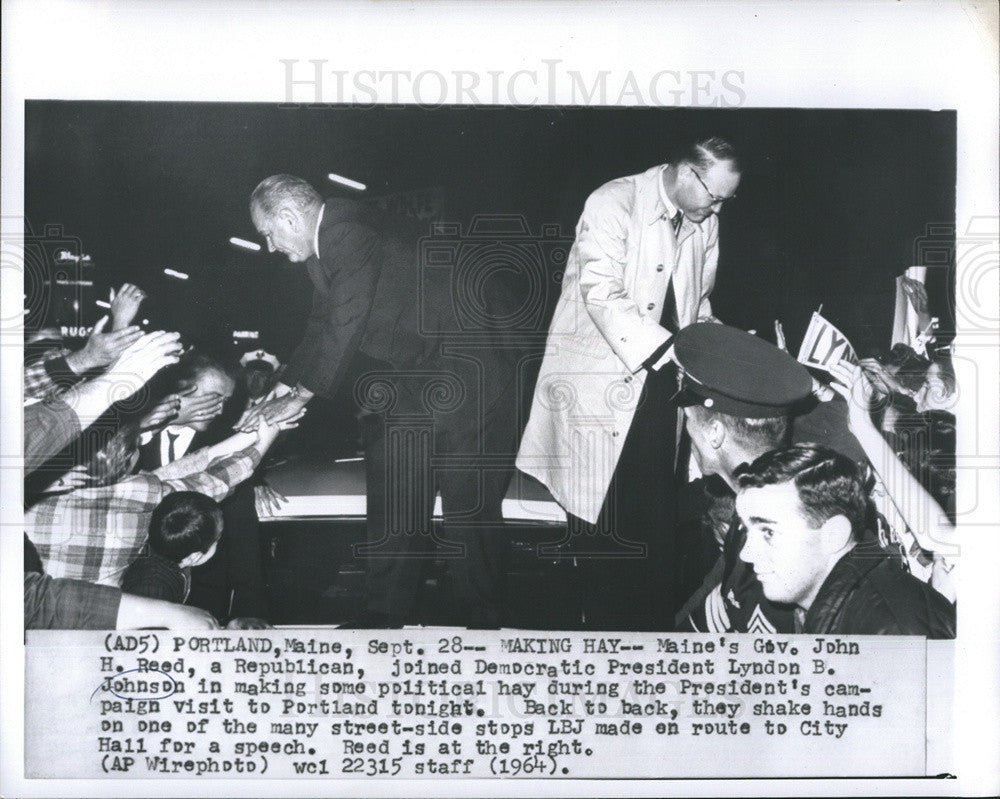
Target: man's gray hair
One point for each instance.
(277, 190)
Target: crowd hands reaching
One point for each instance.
(111, 542)
(900, 410)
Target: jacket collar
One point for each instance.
(847, 573)
(319, 221)
(656, 205)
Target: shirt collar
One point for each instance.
(665, 209)
(183, 436)
(319, 221)
(179, 429)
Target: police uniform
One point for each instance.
(733, 372)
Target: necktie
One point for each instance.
(668, 319)
(171, 438)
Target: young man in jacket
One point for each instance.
(805, 509)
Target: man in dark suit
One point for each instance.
(442, 402)
(232, 583)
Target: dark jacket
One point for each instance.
(157, 577)
(869, 593)
(372, 293)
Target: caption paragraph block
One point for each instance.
(441, 703)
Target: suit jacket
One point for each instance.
(605, 325)
(149, 453)
(372, 293)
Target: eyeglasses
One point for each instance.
(716, 200)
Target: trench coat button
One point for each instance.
(651, 306)
(615, 434)
(659, 267)
(628, 378)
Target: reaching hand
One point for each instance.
(125, 305)
(200, 408)
(103, 348)
(251, 415)
(916, 293)
(144, 358)
(267, 430)
(267, 501)
(70, 481)
(852, 384)
(288, 408)
(164, 411)
(779, 335)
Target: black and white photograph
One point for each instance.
(420, 341)
(383, 424)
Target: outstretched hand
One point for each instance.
(145, 357)
(852, 383)
(103, 348)
(200, 408)
(164, 411)
(268, 501)
(916, 293)
(125, 305)
(273, 411)
(77, 477)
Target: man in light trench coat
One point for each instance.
(603, 430)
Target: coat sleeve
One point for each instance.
(48, 427)
(602, 247)
(219, 478)
(351, 259)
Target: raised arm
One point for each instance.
(918, 508)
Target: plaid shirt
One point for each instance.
(49, 376)
(95, 533)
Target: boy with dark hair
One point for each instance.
(184, 531)
(806, 512)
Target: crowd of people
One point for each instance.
(141, 504)
(821, 502)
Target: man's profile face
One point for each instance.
(701, 192)
(785, 549)
(285, 231)
(704, 453)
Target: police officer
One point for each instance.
(738, 393)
